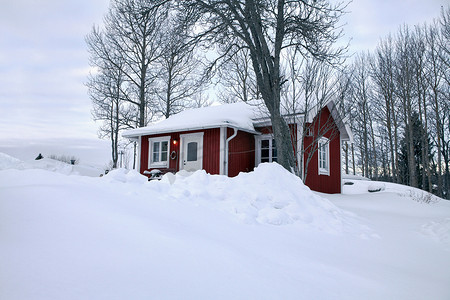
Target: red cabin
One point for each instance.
(232, 138)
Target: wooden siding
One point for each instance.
(241, 152)
(211, 150)
(324, 183)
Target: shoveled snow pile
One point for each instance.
(286, 200)
(9, 162)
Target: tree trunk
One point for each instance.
(346, 157)
(353, 160)
(411, 156)
(439, 146)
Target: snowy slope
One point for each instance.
(261, 235)
(9, 162)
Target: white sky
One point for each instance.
(44, 105)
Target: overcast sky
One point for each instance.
(44, 105)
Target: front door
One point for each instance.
(192, 151)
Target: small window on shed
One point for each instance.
(324, 156)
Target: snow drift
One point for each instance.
(248, 196)
(260, 235)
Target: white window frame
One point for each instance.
(158, 164)
(323, 143)
(260, 138)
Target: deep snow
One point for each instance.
(260, 235)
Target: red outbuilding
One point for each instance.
(232, 138)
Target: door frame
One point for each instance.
(183, 137)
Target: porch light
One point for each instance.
(175, 142)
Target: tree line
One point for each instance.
(155, 58)
(398, 104)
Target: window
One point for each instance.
(192, 151)
(267, 151)
(159, 151)
(324, 156)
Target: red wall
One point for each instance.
(324, 183)
(211, 150)
(241, 153)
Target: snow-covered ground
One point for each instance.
(260, 235)
(9, 162)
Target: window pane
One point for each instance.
(156, 152)
(264, 153)
(323, 155)
(264, 160)
(192, 151)
(265, 144)
(155, 146)
(274, 151)
(164, 146)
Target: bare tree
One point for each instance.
(435, 75)
(105, 87)
(382, 73)
(179, 76)
(133, 29)
(123, 52)
(266, 28)
(444, 56)
(418, 64)
(361, 97)
(236, 77)
(405, 84)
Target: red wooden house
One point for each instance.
(232, 138)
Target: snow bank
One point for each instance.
(268, 195)
(364, 186)
(126, 176)
(9, 162)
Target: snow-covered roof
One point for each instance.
(240, 115)
(236, 115)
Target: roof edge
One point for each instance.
(131, 135)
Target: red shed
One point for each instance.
(232, 138)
